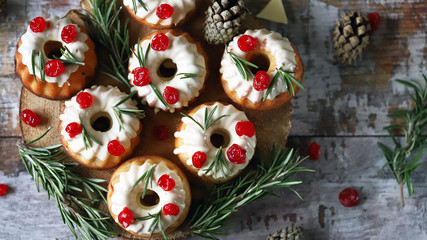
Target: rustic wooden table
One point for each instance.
(344, 110)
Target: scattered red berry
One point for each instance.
(160, 132)
(84, 99)
(141, 76)
(54, 68)
(38, 24)
(349, 197)
(115, 148)
(3, 189)
(160, 42)
(314, 151)
(236, 154)
(69, 34)
(166, 182)
(164, 11)
(171, 95)
(126, 217)
(170, 209)
(73, 129)
(199, 159)
(374, 21)
(247, 43)
(30, 118)
(245, 128)
(261, 81)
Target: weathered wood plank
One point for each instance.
(345, 162)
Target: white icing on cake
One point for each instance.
(272, 43)
(187, 59)
(195, 139)
(123, 197)
(104, 98)
(36, 41)
(181, 8)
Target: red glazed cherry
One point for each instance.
(141, 76)
(199, 158)
(245, 128)
(115, 148)
(164, 11)
(38, 24)
(3, 189)
(236, 154)
(73, 129)
(261, 81)
(314, 151)
(170, 209)
(69, 34)
(166, 182)
(247, 43)
(160, 132)
(84, 99)
(374, 21)
(125, 217)
(54, 68)
(349, 197)
(160, 42)
(171, 95)
(30, 118)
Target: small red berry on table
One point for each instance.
(170, 209)
(236, 154)
(115, 148)
(164, 11)
(3, 189)
(69, 34)
(54, 68)
(30, 118)
(198, 159)
(374, 21)
(160, 132)
(166, 182)
(171, 95)
(261, 81)
(160, 42)
(349, 197)
(314, 151)
(125, 217)
(38, 25)
(247, 43)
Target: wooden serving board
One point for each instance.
(271, 126)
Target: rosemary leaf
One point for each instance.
(69, 57)
(33, 66)
(403, 158)
(158, 94)
(135, 7)
(272, 84)
(194, 120)
(148, 178)
(41, 67)
(242, 66)
(207, 123)
(188, 75)
(288, 80)
(87, 137)
(219, 162)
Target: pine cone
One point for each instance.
(2, 5)
(288, 233)
(223, 20)
(350, 37)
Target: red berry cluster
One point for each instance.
(374, 21)
(198, 159)
(247, 43)
(115, 148)
(38, 25)
(54, 68)
(170, 209)
(164, 11)
(166, 182)
(3, 189)
(245, 128)
(126, 217)
(314, 151)
(84, 99)
(141, 76)
(69, 34)
(73, 129)
(30, 118)
(349, 197)
(171, 95)
(160, 42)
(236, 154)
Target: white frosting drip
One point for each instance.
(104, 98)
(187, 59)
(36, 41)
(181, 8)
(272, 42)
(123, 197)
(195, 139)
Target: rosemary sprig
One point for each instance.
(87, 137)
(207, 123)
(148, 179)
(41, 66)
(142, 4)
(287, 79)
(226, 198)
(188, 75)
(242, 66)
(69, 57)
(104, 24)
(219, 162)
(153, 225)
(127, 111)
(404, 158)
(62, 182)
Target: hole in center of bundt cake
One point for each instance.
(167, 70)
(101, 122)
(52, 49)
(220, 137)
(150, 199)
(261, 60)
